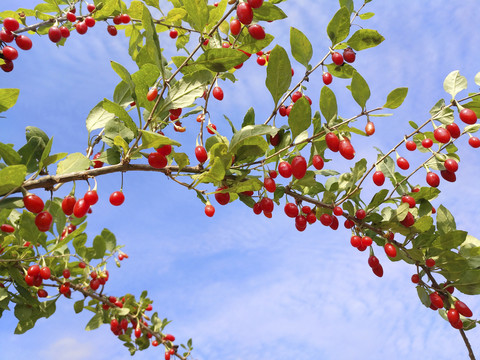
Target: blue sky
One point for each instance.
(241, 285)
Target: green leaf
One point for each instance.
(31, 153)
(279, 73)
(151, 139)
(366, 16)
(249, 118)
(152, 38)
(301, 47)
(300, 117)
(114, 128)
(144, 78)
(10, 156)
(98, 117)
(119, 141)
(251, 45)
(108, 8)
(423, 296)
(99, 246)
(122, 95)
(8, 98)
(216, 13)
(184, 92)
(121, 113)
(181, 159)
(124, 75)
(73, 163)
(94, 322)
(396, 98)
(360, 90)
(445, 220)
(364, 39)
(339, 27)
(450, 240)
(454, 83)
(250, 131)
(348, 4)
(222, 59)
(110, 240)
(268, 12)
(328, 104)
(378, 199)
(197, 13)
(12, 177)
(78, 306)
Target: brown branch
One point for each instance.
(467, 344)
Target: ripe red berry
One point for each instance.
(23, 42)
(291, 210)
(430, 262)
(333, 142)
(157, 160)
(235, 27)
(360, 214)
(217, 93)
(269, 184)
(463, 309)
(80, 208)
(346, 149)
(81, 27)
(256, 31)
(441, 135)
(54, 34)
(42, 293)
(436, 300)
(201, 154)
(468, 116)
(176, 112)
(91, 197)
(427, 143)
(317, 162)
(97, 163)
(125, 18)
(299, 167)
(244, 13)
(82, 265)
(90, 7)
(378, 270)
(65, 32)
(10, 24)
(6, 36)
(267, 205)
(433, 179)
(152, 94)
(409, 220)
(454, 130)
(8, 66)
(390, 250)
(301, 222)
(33, 203)
(415, 278)
(449, 176)
(370, 128)
(410, 200)
(173, 33)
(117, 20)
(366, 241)
(273, 174)
(378, 178)
(33, 270)
(473, 141)
(349, 55)
(43, 221)
(71, 17)
(285, 169)
(327, 78)
(337, 58)
(45, 273)
(373, 261)
(165, 150)
(222, 198)
(66, 273)
(410, 145)
(112, 30)
(209, 210)
(90, 21)
(8, 229)
(10, 53)
(356, 241)
(275, 140)
(403, 163)
(326, 219)
(117, 198)
(451, 165)
(453, 316)
(296, 96)
(255, 4)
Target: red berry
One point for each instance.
(468, 116)
(275, 140)
(273, 174)
(390, 250)
(97, 163)
(82, 265)
(90, 21)
(349, 55)
(433, 179)
(378, 178)
(64, 31)
(311, 218)
(366, 241)
(337, 58)
(333, 225)
(269, 184)
(378, 270)
(430, 262)
(112, 30)
(169, 337)
(42, 293)
(409, 220)
(296, 96)
(473, 141)
(291, 210)
(255, 4)
(117, 20)
(235, 27)
(317, 162)
(415, 278)
(346, 149)
(71, 17)
(436, 300)
(326, 219)
(23, 42)
(327, 78)
(373, 261)
(11, 24)
(337, 210)
(217, 93)
(8, 66)
(453, 316)
(43, 221)
(356, 241)
(91, 197)
(8, 229)
(6, 36)
(463, 309)
(267, 205)
(333, 142)
(66, 273)
(451, 165)
(33, 270)
(410, 145)
(256, 31)
(299, 167)
(173, 33)
(442, 135)
(257, 208)
(244, 13)
(403, 163)
(449, 176)
(33, 203)
(282, 110)
(117, 198)
(152, 94)
(370, 128)
(349, 224)
(125, 18)
(222, 198)
(54, 34)
(301, 222)
(454, 130)
(201, 154)
(81, 27)
(90, 7)
(285, 169)
(80, 208)
(209, 210)
(360, 214)
(10, 53)
(45, 273)
(157, 160)
(410, 200)
(165, 150)
(427, 143)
